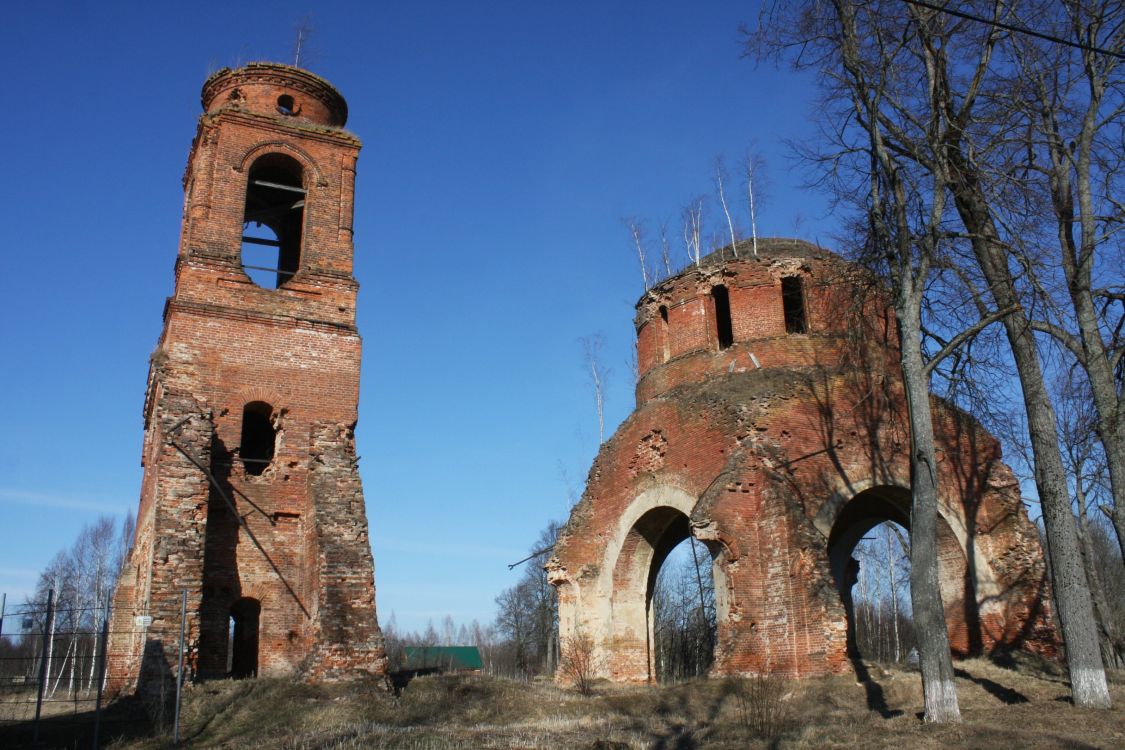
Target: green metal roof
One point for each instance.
(445, 657)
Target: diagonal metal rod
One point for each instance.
(241, 521)
(535, 554)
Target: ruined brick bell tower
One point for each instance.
(251, 500)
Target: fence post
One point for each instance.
(101, 676)
(180, 671)
(48, 626)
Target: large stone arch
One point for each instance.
(620, 596)
(968, 586)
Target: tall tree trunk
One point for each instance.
(1107, 627)
(1076, 214)
(1072, 594)
(938, 686)
(894, 594)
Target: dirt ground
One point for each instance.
(1004, 704)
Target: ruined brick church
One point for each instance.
(770, 425)
(251, 499)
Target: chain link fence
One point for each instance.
(53, 677)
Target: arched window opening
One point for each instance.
(285, 105)
(683, 612)
(793, 302)
(724, 328)
(664, 344)
(242, 643)
(258, 437)
(273, 220)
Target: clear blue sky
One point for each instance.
(504, 143)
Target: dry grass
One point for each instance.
(1002, 707)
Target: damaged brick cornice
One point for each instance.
(229, 313)
(275, 74)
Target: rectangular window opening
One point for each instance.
(664, 332)
(723, 325)
(793, 302)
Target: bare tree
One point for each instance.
(693, 229)
(981, 216)
(665, 250)
(719, 172)
(1070, 102)
(903, 212)
(1085, 463)
(636, 231)
(749, 166)
(527, 613)
(946, 131)
(82, 577)
(683, 613)
(592, 359)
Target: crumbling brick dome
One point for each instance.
(771, 426)
(783, 305)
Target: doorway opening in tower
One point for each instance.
(793, 304)
(242, 638)
(724, 326)
(273, 221)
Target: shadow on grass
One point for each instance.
(876, 699)
(123, 719)
(1006, 695)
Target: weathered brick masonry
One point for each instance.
(770, 424)
(251, 499)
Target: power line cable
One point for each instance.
(1016, 29)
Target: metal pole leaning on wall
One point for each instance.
(180, 671)
(47, 627)
(102, 641)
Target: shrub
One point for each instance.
(762, 705)
(578, 663)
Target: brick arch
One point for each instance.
(308, 164)
(953, 534)
(263, 594)
(271, 396)
(960, 583)
(654, 522)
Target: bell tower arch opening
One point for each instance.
(273, 220)
(259, 438)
